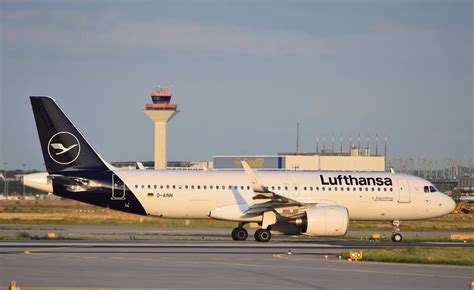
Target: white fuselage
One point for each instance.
(194, 194)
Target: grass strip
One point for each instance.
(442, 255)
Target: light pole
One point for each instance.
(5, 185)
(24, 165)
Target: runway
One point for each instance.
(214, 264)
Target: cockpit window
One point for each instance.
(430, 188)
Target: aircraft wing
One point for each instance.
(262, 192)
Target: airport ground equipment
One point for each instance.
(463, 208)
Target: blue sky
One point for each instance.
(243, 73)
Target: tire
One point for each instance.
(239, 234)
(262, 235)
(397, 238)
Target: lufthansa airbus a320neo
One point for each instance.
(312, 203)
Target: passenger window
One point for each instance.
(217, 186)
(279, 187)
(366, 189)
(286, 187)
(241, 187)
(204, 187)
(211, 187)
(373, 189)
(391, 189)
(360, 188)
(335, 188)
(230, 186)
(136, 185)
(248, 187)
(161, 186)
(304, 188)
(143, 186)
(149, 186)
(154, 186)
(342, 188)
(198, 187)
(329, 188)
(186, 186)
(323, 188)
(174, 186)
(348, 189)
(378, 188)
(317, 188)
(384, 189)
(311, 188)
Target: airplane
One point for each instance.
(313, 203)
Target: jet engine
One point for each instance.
(330, 220)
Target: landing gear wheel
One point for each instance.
(239, 234)
(397, 238)
(262, 235)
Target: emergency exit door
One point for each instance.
(403, 191)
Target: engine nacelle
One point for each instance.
(331, 220)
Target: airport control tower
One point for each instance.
(161, 111)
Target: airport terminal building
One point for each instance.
(357, 159)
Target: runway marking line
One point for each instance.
(38, 252)
(43, 249)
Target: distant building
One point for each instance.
(357, 159)
(466, 183)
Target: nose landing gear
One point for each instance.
(396, 236)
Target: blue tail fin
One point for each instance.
(63, 146)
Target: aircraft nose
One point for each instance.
(447, 204)
(451, 204)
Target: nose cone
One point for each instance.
(450, 204)
(446, 204)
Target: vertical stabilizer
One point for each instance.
(63, 146)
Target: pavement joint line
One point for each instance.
(315, 268)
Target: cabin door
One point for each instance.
(118, 188)
(403, 191)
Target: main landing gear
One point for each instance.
(396, 236)
(239, 233)
(263, 235)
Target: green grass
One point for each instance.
(410, 239)
(447, 256)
